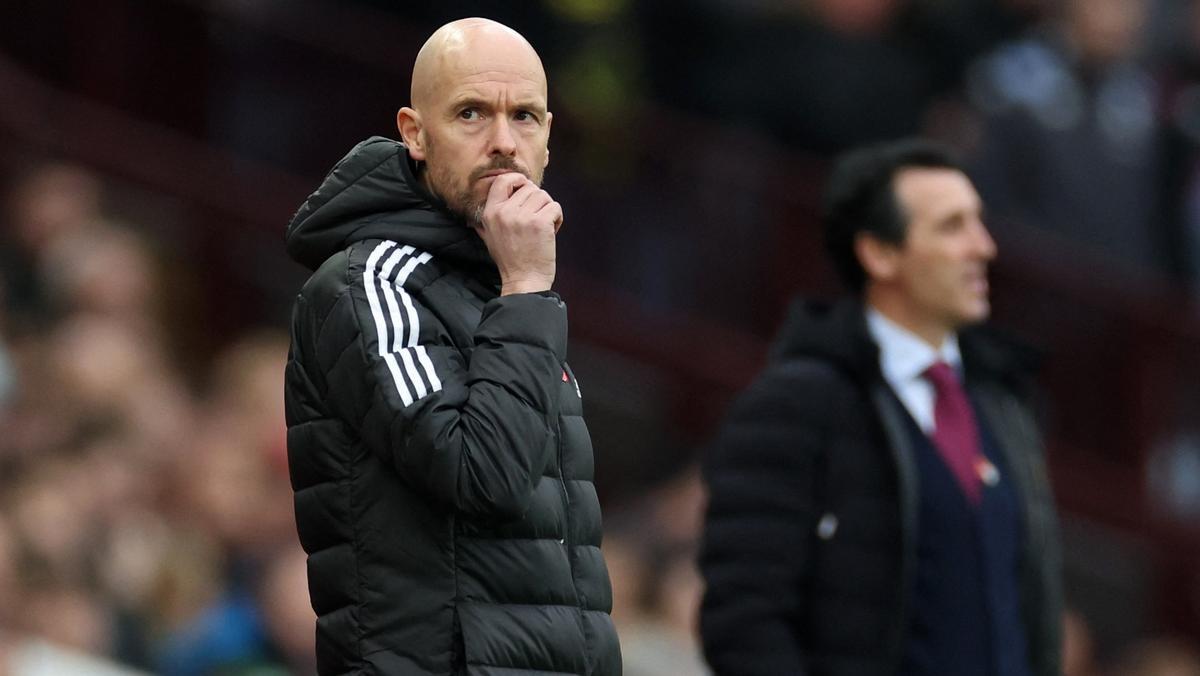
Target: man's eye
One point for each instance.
(469, 114)
(525, 116)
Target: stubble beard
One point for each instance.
(459, 199)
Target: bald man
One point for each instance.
(442, 468)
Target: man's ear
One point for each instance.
(549, 119)
(879, 259)
(408, 122)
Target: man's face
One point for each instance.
(941, 267)
(485, 115)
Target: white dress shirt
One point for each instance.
(903, 357)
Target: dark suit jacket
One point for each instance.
(810, 541)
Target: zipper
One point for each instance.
(566, 500)
(565, 541)
(566, 496)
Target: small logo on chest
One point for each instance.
(567, 379)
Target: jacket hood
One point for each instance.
(373, 193)
(833, 332)
(836, 332)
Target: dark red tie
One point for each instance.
(956, 433)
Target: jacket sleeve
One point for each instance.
(473, 435)
(761, 473)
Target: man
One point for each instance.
(1071, 140)
(871, 511)
(442, 468)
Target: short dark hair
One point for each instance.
(859, 197)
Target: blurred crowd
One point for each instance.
(145, 509)
(1080, 118)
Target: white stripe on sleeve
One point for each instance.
(389, 293)
(414, 323)
(413, 374)
(434, 382)
(381, 321)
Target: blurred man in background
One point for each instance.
(1071, 144)
(442, 469)
(878, 498)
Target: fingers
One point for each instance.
(501, 190)
(553, 211)
(504, 185)
(513, 198)
(523, 194)
(535, 200)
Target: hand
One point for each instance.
(518, 226)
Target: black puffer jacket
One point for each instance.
(442, 469)
(811, 533)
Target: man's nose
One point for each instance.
(502, 140)
(984, 244)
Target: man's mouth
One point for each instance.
(493, 173)
(498, 167)
(978, 283)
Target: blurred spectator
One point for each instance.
(49, 203)
(287, 613)
(627, 567)
(68, 616)
(234, 491)
(660, 639)
(650, 549)
(51, 510)
(1071, 144)
(819, 75)
(105, 271)
(244, 391)
(677, 508)
(114, 374)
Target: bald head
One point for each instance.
(478, 107)
(470, 47)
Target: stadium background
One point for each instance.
(151, 152)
